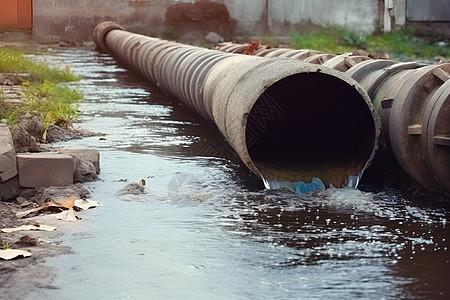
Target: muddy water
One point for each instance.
(206, 228)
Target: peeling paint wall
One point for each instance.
(73, 20)
(249, 15)
(357, 15)
(282, 16)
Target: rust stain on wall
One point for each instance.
(201, 17)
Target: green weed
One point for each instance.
(329, 41)
(399, 42)
(15, 61)
(269, 39)
(170, 33)
(48, 98)
(52, 103)
(405, 43)
(5, 245)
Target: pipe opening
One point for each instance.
(310, 125)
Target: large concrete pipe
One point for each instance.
(294, 124)
(412, 99)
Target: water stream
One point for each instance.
(207, 229)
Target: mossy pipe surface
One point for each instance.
(294, 124)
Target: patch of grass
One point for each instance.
(15, 61)
(269, 39)
(52, 103)
(170, 33)
(397, 42)
(402, 42)
(5, 246)
(328, 41)
(48, 98)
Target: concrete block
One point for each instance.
(8, 166)
(86, 154)
(44, 169)
(10, 189)
(86, 163)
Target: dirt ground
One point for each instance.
(20, 276)
(23, 275)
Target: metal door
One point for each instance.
(24, 14)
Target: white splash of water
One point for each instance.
(299, 186)
(353, 180)
(315, 185)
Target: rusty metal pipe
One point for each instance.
(294, 124)
(412, 100)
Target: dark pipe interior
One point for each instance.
(310, 121)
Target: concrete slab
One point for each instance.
(44, 169)
(8, 166)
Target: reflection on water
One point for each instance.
(207, 229)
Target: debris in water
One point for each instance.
(29, 227)
(85, 204)
(8, 254)
(68, 215)
(27, 241)
(133, 188)
(68, 206)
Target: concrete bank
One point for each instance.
(28, 181)
(19, 171)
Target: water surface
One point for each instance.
(207, 229)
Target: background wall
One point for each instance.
(356, 15)
(73, 20)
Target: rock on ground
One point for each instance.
(27, 135)
(132, 188)
(55, 193)
(8, 165)
(86, 163)
(20, 276)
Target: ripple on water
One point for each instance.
(206, 228)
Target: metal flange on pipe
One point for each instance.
(294, 124)
(412, 99)
(413, 102)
